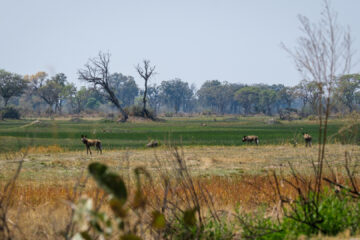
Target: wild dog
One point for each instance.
(308, 139)
(251, 139)
(91, 142)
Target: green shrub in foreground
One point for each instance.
(212, 230)
(335, 214)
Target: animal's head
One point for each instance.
(244, 138)
(83, 138)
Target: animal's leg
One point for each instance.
(98, 148)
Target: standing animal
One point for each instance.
(91, 142)
(251, 139)
(308, 139)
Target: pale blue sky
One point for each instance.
(195, 40)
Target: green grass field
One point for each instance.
(225, 131)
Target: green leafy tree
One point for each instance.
(92, 103)
(216, 95)
(79, 99)
(286, 96)
(65, 90)
(11, 85)
(125, 88)
(154, 97)
(267, 98)
(176, 93)
(248, 98)
(347, 86)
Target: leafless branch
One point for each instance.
(96, 72)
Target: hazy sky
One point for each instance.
(195, 40)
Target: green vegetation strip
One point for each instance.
(187, 131)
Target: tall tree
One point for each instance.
(248, 98)
(267, 98)
(79, 99)
(96, 72)
(32, 98)
(216, 95)
(347, 86)
(11, 85)
(50, 92)
(176, 93)
(125, 88)
(154, 97)
(65, 89)
(286, 96)
(145, 72)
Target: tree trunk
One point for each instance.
(145, 113)
(115, 101)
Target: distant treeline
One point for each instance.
(41, 94)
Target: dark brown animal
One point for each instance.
(308, 139)
(91, 142)
(251, 139)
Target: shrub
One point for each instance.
(169, 114)
(288, 114)
(207, 113)
(134, 110)
(211, 229)
(312, 117)
(137, 111)
(110, 115)
(10, 112)
(334, 216)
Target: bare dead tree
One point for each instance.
(145, 73)
(96, 71)
(322, 55)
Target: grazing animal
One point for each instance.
(91, 142)
(152, 143)
(251, 139)
(308, 139)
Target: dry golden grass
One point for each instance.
(43, 149)
(232, 175)
(50, 175)
(42, 212)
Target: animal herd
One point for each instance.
(251, 138)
